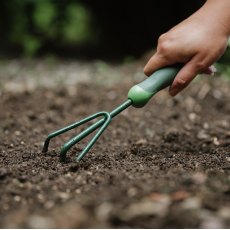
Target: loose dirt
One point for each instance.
(164, 166)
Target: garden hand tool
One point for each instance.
(138, 96)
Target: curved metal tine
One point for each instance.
(103, 123)
(63, 130)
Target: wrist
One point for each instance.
(217, 12)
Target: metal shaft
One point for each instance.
(101, 124)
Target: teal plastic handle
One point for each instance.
(141, 93)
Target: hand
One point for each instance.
(197, 42)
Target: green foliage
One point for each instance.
(77, 25)
(30, 44)
(36, 22)
(44, 15)
(223, 64)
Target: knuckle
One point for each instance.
(200, 66)
(181, 82)
(165, 45)
(161, 38)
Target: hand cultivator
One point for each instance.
(138, 96)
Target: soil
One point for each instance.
(166, 165)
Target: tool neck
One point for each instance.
(121, 107)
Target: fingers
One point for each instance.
(156, 62)
(186, 75)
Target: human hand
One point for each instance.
(197, 42)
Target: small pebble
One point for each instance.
(64, 195)
(36, 221)
(206, 125)
(132, 192)
(217, 94)
(216, 141)
(17, 133)
(228, 159)
(224, 212)
(191, 203)
(49, 205)
(199, 178)
(192, 116)
(103, 211)
(17, 198)
(202, 135)
(141, 141)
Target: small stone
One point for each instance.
(17, 133)
(209, 221)
(6, 132)
(36, 221)
(103, 211)
(224, 212)
(216, 141)
(206, 125)
(132, 192)
(49, 205)
(180, 195)
(199, 178)
(64, 195)
(202, 135)
(17, 198)
(217, 94)
(191, 203)
(189, 103)
(150, 132)
(187, 127)
(146, 207)
(192, 116)
(78, 191)
(141, 141)
(40, 197)
(228, 159)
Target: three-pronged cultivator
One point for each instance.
(138, 96)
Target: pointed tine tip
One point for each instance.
(45, 147)
(78, 159)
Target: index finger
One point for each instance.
(156, 62)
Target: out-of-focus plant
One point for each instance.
(77, 25)
(223, 64)
(44, 15)
(36, 23)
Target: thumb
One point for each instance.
(156, 62)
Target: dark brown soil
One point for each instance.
(164, 166)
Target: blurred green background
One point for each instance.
(88, 29)
(84, 28)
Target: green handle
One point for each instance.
(141, 93)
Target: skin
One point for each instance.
(198, 42)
